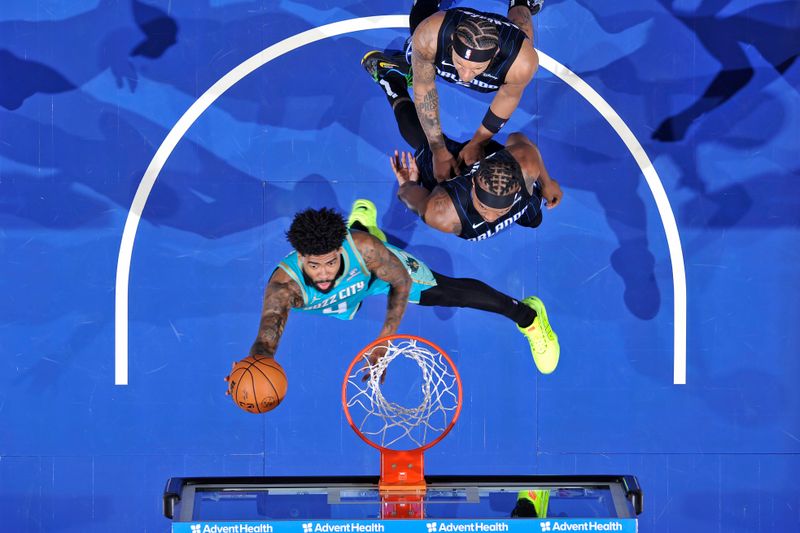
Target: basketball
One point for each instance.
(257, 384)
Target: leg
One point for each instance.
(408, 122)
(529, 314)
(389, 76)
(471, 293)
(421, 10)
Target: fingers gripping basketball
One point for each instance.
(257, 384)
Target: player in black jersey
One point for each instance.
(505, 187)
(482, 51)
(501, 189)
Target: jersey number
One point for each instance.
(339, 309)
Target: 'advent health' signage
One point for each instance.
(517, 525)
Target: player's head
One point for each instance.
(318, 235)
(475, 43)
(496, 185)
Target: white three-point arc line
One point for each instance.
(372, 23)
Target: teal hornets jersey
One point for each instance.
(355, 283)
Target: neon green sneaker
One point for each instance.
(365, 213)
(543, 341)
(539, 498)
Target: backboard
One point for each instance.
(351, 504)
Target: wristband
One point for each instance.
(492, 122)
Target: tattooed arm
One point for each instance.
(426, 98)
(281, 295)
(386, 266)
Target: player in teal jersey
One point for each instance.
(333, 268)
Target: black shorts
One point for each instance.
(424, 158)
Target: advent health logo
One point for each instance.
(467, 527)
(231, 528)
(549, 526)
(346, 527)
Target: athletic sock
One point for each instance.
(524, 314)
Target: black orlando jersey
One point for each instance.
(526, 209)
(511, 41)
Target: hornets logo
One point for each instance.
(412, 264)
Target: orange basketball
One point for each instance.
(257, 384)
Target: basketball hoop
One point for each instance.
(428, 381)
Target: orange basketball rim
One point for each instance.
(402, 428)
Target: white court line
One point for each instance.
(659, 195)
(348, 26)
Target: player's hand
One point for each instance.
(471, 153)
(378, 351)
(404, 167)
(444, 165)
(228, 379)
(551, 193)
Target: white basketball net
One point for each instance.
(388, 423)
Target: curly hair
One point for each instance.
(501, 178)
(317, 231)
(479, 34)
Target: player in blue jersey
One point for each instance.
(333, 268)
(484, 52)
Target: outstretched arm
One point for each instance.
(281, 295)
(504, 104)
(426, 98)
(435, 207)
(386, 266)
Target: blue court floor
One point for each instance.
(143, 207)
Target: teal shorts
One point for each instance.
(421, 276)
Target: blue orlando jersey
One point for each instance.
(355, 283)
